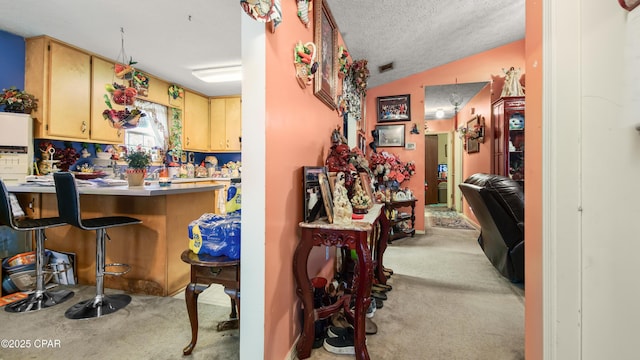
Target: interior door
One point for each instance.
(431, 168)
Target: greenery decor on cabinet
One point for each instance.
(18, 101)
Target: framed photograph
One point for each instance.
(476, 126)
(326, 40)
(327, 197)
(367, 186)
(313, 203)
(390, 135)
(473, 146)
(394, 108)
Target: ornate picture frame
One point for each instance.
(327, 197)
(326, 40)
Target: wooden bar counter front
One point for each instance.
(152, 249)
(356, 237)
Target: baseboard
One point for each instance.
(293, 352)
(471, 222)
(420, 232)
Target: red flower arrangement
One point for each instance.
(389, 170)
(360, 75)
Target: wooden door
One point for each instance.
(431, 168)
(69, 92)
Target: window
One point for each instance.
(152, 131)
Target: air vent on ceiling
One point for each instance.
(385, 67)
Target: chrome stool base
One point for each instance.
(34, 303)
(87, 310)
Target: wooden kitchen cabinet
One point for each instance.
(60, 77)
(196, 122)
(226, 124)
(101, 129)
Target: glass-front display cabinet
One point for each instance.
(507, 115)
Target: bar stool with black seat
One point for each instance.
(69, 210)
(40, 298)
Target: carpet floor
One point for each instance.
(447, 302)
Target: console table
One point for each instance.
(364, 236)
(390, 206)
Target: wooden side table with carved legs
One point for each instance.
(355, 237)
(207, 270)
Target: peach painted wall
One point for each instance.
(298, 131)
(479, 162)
(480, 67)
(533, 189)
(442, 125)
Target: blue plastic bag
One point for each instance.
(216, 235)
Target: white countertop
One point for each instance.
(147, 190)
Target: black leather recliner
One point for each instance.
(498, 204)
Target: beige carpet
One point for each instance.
(447, 302)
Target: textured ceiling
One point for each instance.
(439, 97)
(171, 38)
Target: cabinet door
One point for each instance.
(218, 125)
(101, 129)
(233, 114)
(69, 92)
(158, 91)
(196, 122)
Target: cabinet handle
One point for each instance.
(84, 126)
(119, 133)
(188, 142)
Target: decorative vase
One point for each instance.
(135, 177)
(360, 209)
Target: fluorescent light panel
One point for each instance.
(221, 74)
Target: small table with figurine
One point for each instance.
(366, 238)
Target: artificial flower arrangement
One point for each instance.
(360, 75)
(389, 170)
(343, 56)
(17, 101)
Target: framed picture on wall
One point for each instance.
(326, 40)
(390, 135)
(394, 108)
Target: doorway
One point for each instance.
(436, 165)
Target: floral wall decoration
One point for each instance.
(343, 61)
(359, 75)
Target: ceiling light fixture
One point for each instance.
(455, 99)
(219, 74)
(439, 113)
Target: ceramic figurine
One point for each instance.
(342, 209)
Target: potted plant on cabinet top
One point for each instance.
(17, 101)
(138, 160)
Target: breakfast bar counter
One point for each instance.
(152, 249)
